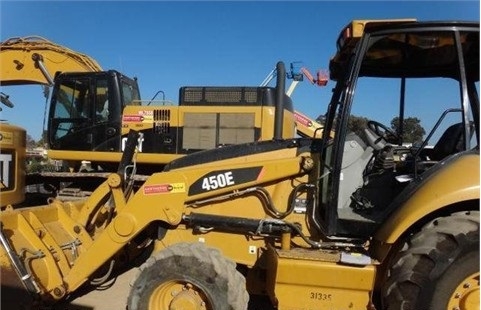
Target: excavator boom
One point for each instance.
(35, 60)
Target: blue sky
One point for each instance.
(168, 44)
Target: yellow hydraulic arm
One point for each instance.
(35, 60)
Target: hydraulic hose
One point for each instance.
(128, 152)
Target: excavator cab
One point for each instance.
(86, 108)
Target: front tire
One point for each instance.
(438, 268)
(188, 276)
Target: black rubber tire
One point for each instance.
(212, 276)
(433, 262)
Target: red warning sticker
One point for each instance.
(132, 118)
(164, 188)
(302, 119)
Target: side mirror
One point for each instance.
(4, 99)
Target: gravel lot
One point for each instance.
(115, 297)
(112, 298)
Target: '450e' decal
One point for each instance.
(224, 178)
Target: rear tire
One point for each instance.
(437, 268)
(188, 276)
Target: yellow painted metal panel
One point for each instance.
(457, 181)
(308, 283)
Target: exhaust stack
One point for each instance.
(280, 93)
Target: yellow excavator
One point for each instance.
(346, 221)
(91, 112)
(204, 118)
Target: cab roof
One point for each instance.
(408, 48)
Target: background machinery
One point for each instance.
(341, 222)
(28, 60)
(91, 111)
(12, 160)
(205, 118)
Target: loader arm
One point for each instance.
(67, 242)
(164, 197)
(35, 60)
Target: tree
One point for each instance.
(30, 142)
(357, 124)
(41, 142)
(412, 129)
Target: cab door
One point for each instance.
(70, 119)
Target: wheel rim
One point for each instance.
(466, 294)
(176, 295)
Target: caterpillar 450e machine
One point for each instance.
(348, 221)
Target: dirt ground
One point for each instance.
(113, 297)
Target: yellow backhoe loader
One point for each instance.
(347, 221)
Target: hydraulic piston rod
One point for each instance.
(17, 264)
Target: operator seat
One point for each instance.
(449, 143)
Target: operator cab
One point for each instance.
(85, 110)
(406, 101)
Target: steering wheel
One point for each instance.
(383, 132)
